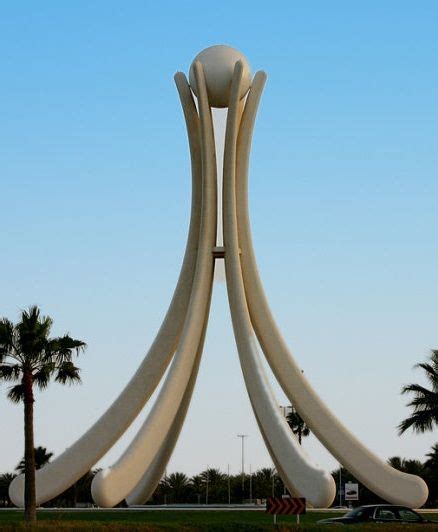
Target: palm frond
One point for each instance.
(422, 402)
(6, 338)
(42, 457)
(33, 332)
(420, 421)
(416, 388)
(67, 373)
(396, 462)
(425, 401)
(432, 457)
(430, 371)
(62, 348)
(10, 372)
(16, 393)
(42, 376)
(297, 424)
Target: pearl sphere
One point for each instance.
(218, 63)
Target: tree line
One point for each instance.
(213, 486)
(30, 358)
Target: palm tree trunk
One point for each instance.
(29, 450)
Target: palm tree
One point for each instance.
(42, 457)
(178, 485)
(213, 475)
(396, 462)
(297, 425)
(216, 485)
(432, 458)
(425, 401)
(431, 474)
(264, 483)
(198, 487)
(29, 357)
(414, 467)
(5, 480)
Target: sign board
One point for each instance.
(351, 491)
(286, 506)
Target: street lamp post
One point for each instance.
(340, 485)
(243, 436)
(206, 488)
(250, 484)
(229, 485)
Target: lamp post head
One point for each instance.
(218, 63)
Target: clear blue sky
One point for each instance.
(94, 175)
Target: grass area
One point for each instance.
(187, 521)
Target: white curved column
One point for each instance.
(298, 472)
(390, 484)
(112, 485)
(152, 476)
(72, 464)
(277, 465)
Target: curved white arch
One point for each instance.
(154, 473)
(72, 464)
(298, 472)
(152, 476)
(378, 476)
(114, 484)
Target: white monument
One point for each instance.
(219, 77)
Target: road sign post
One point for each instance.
(286, 506)
(351, 491)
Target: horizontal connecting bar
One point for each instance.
(219, 252)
